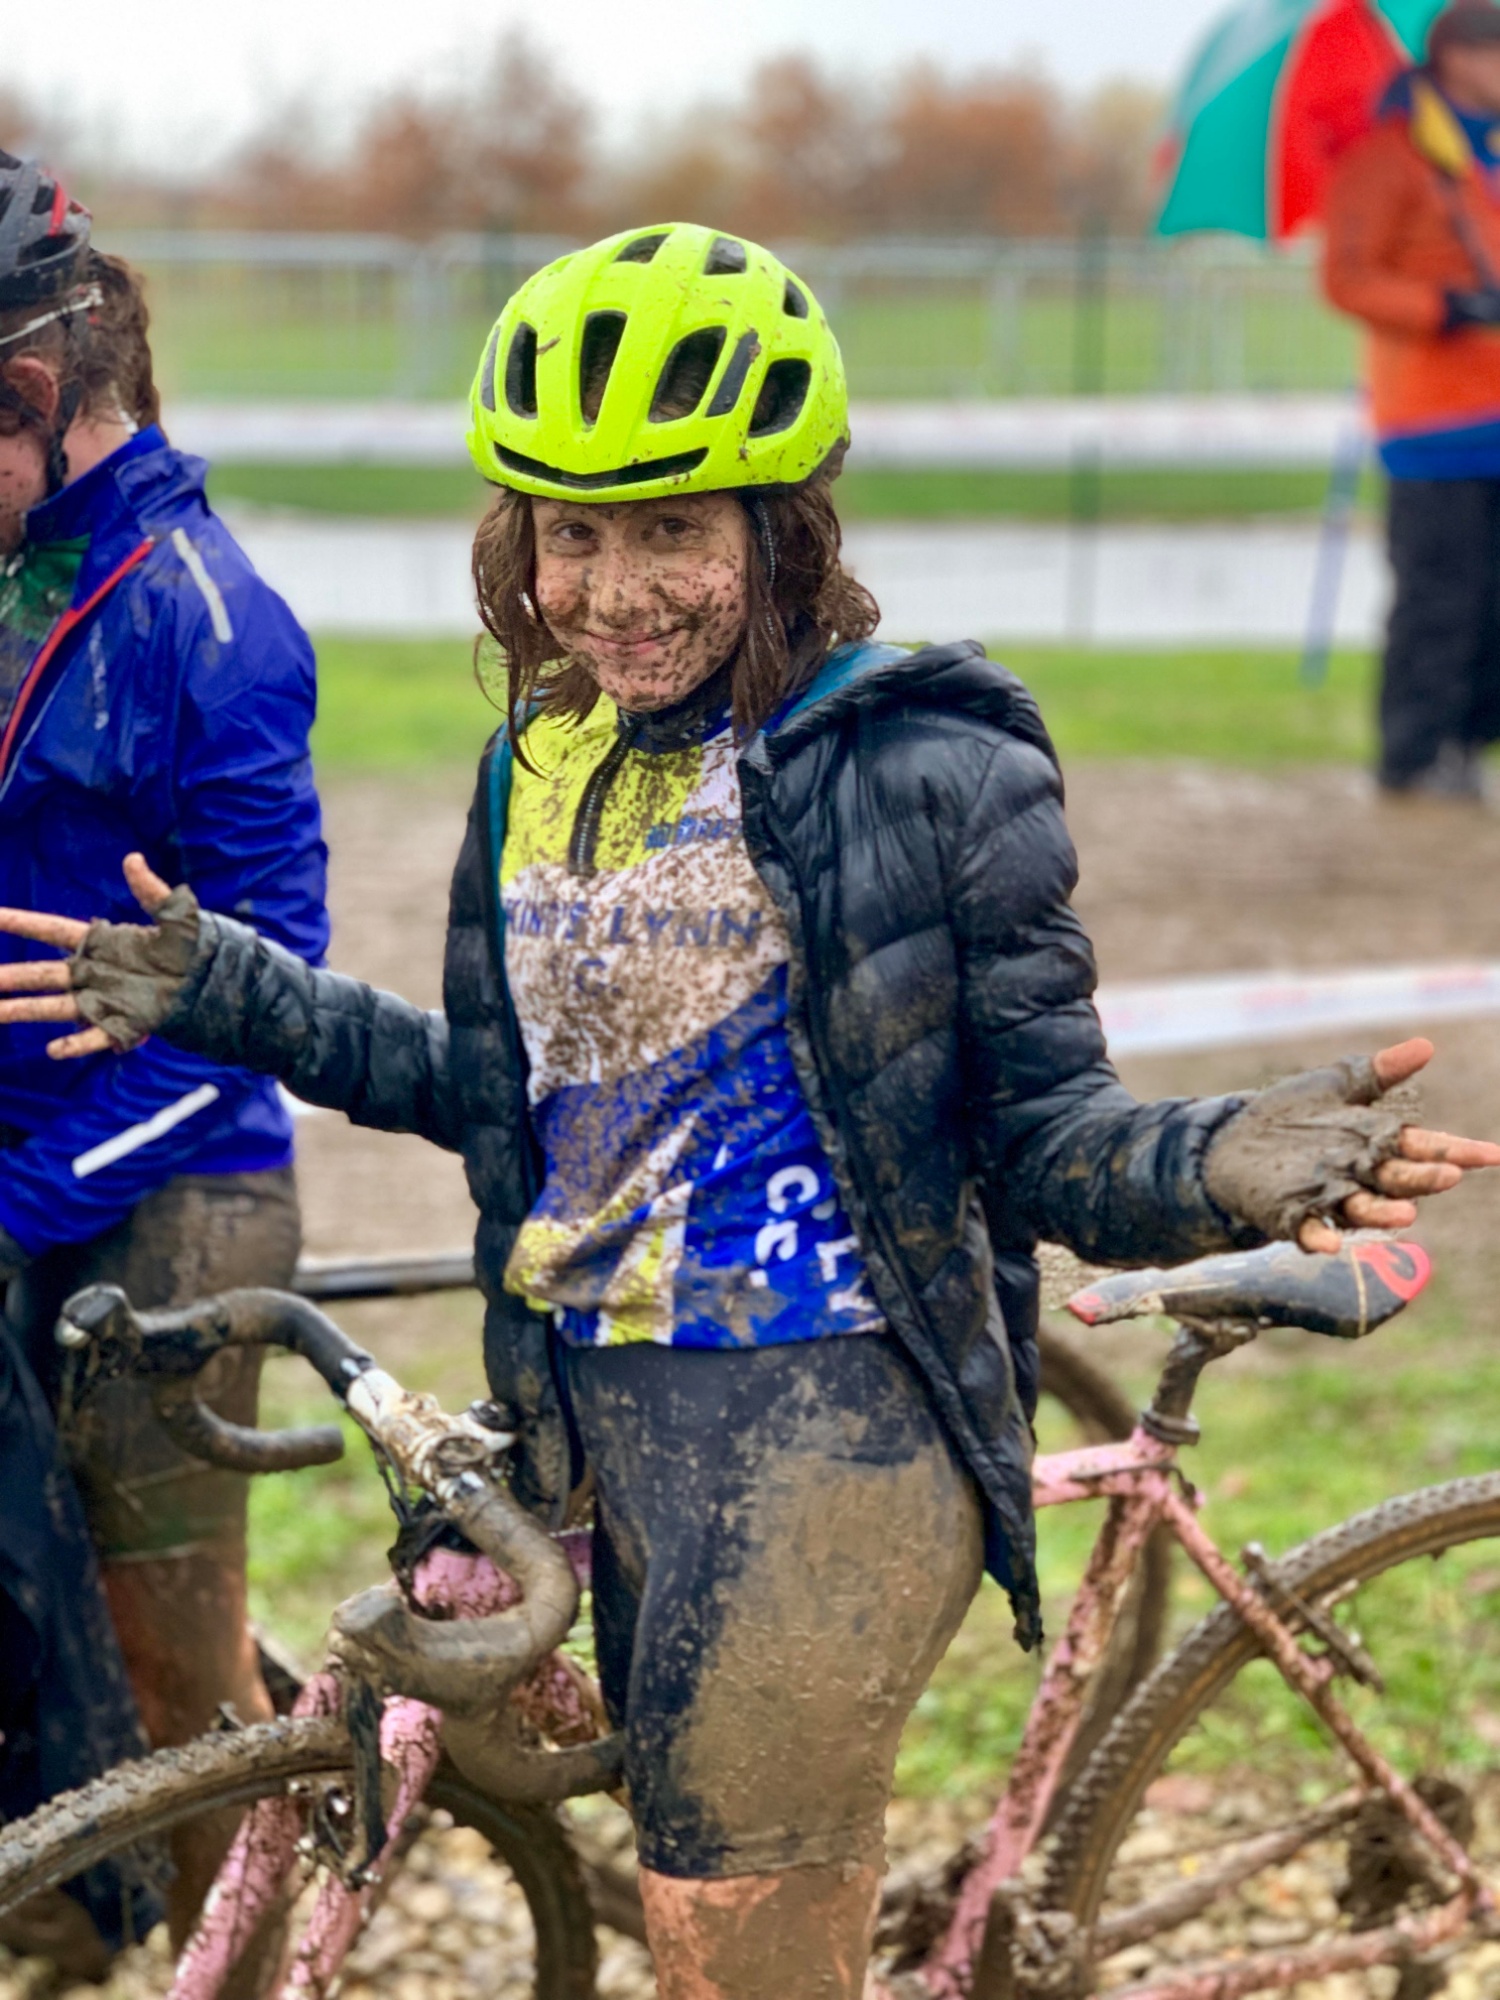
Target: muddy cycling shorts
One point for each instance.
(785, 1545)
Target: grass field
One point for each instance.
(394, 705)
(1139, 494)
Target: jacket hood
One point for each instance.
(868, 678)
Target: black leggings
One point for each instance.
(1441, 682)
(785, 1545)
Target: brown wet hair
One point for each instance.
(104, 353)
(801, 605)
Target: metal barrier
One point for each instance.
(238, 314)
(384, 1277)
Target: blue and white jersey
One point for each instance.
(687, 1198)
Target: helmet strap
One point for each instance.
(57, 457)
(760, 514)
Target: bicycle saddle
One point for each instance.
(1346, 1296)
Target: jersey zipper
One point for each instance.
(585, 835)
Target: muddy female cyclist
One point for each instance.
(769, 1047)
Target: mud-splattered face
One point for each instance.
(650, 596)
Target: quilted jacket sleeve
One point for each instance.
(332, 1040)
(1063, 1149)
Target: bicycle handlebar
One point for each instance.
(460, 1666)
(100, 1327)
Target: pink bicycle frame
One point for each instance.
(1140, 1480)
(258, 1868)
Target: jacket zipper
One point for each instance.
(69, 622)
(584, 839)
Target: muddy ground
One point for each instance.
(1184, 870)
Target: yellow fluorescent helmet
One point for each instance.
(665, 360)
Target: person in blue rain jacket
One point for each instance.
(154, 694)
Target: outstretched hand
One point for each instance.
(50, 986)
(1426, 1163)
(1331, 1149)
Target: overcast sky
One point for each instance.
(184, 79)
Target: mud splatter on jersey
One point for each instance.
(687, 1199)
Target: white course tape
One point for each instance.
(1181, 1014)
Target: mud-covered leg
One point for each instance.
(170, 1530)
(183, 1630)
(802, 1934)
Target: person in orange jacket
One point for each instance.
(1412, 248)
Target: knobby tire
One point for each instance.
(1101, 1805)
(152, 1795)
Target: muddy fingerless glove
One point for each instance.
(128, 977)
(1300, 1148)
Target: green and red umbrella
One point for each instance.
(1277, 91)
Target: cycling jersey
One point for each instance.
(687, 1198)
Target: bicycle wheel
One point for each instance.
(523, 1930)
(1218, 1818)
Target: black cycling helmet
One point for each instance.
(43, 235)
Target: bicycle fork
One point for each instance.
(255, 1876)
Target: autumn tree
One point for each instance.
(810, 146)
(980, 154)
(1113, 139)
(527, 146)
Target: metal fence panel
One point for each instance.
(283, 316)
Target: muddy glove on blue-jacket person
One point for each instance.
(769, 1045)
(154, 696)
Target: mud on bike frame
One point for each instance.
(466, 1642)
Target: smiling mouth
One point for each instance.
(642, 644)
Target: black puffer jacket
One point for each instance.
(907, 818)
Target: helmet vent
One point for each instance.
(487, 371)
(642, 250)
(733, 379)
(794, 305)
(689, 370)
(726, 258)
(602, 334)
(520, 372)
(676, 467)
(782, 396)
